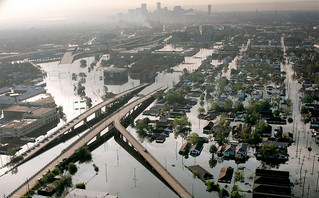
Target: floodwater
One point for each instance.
(120, 173)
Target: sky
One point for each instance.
(19, 10)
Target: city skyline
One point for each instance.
(33, 10)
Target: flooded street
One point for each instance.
(121, 174)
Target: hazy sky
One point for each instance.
(19, 10)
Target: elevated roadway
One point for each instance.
(71, 124)
(112, 121)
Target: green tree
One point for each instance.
(223, 193)
(96, 168)
(202, 96)
(201, 110)
(181, 126)
(143, 128)
(193, 138)
(215, 106)
(84, 154)
(72, 168)
(97, 57)
(61, 114)
(175, 97)
(260, 127)
(88, 101)
(228, 105)
(83, 63)
(61, 184)
(212, 150)
(165, 108)
(268, 150)
(239, 107)
(11, 152)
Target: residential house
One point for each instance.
(228, 89)
(237, 129)
(282, 96)
(241, 95)
(271, 183)
(201, 173)
(223, 96)
(230, 150)
(208, 128)
(225, 175)
(283, 104)
(82, 193)
(241, 150)
(256, 95)
(164, 123)
(184, 150)
(197, 148)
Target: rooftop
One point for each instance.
(41, 98)
(81, 193)
(18, 108)
(17, 124)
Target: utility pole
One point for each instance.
(308, 190)
(117, 157)
(317, 182)
(303, 186)
(176, 150)
(105, 173)
(313, 163)
(307, 140)
(301, 169)
(297, 142)
(134, 178)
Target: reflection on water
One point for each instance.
(119, 172)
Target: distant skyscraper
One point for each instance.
(143, 8)
(209, 9)
(158, 6)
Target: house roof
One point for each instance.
(209, 125)
(201, 172)
(242, 147)
(226, 174)
(277, 144)
(198, 146)
(81, 193)
(230, 148)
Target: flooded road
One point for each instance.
(121, 174)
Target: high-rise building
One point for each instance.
(143, 8)
(158, 6)
(209, 9)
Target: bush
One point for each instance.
(80, 186)
(223, 193)
(290, 120)
(211, 186)
(17, 159)
(96, 168)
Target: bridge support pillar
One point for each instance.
(98, 113)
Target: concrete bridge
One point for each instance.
(109, 124)
(80, 120)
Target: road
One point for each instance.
(30, 53)
(67, 58)
(302, 165)
(180, 190)
(76, 121)
(83, 140)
